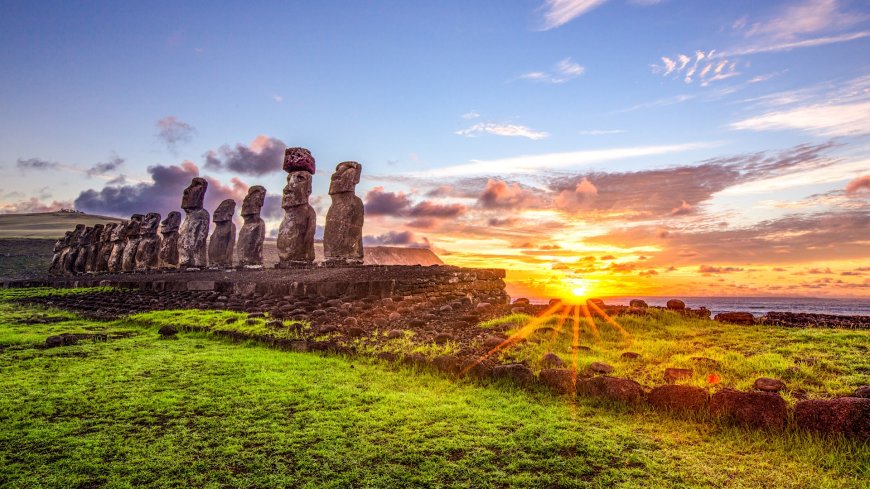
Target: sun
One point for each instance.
(578, 286)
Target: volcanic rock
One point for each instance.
(863, 391)
(745, 318)
(249, 249)
(193, 233)
(756, 409)
(613, 388)
(342, 236)
(630, 355)
(678, 398)
(395, 333)
(638, 303)
(601, 368)
(298, 159)
(448, 364)
(849, 416)
(296, 232)
(551, 361)
(675, 374)
(222, 245)
(516, 373)
(768, 385)
(443, 338)
(676, 305)
(167, 331)
(559, 380)
(167, 255)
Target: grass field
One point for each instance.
(818, 363)
(138, 411)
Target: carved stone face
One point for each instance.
(108, 231)
(120, 231)
(345, 178)
(77, 234)
(298, 159)
(149, 225)
(225, 211)
(171, 223)
(85, 237)
(297, 190)
(134, 226)
(67, 237)
(253, 202)
(194, 194)
(97, 234)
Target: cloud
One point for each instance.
(858, 185)
(578, 198)
(563, 71)
(174, 132)
(33, 205)
(662, 102)
(704, 67)
(36, 164)
(559, 12)
(536, 162)
(105, 167)
(788, 46)
(162, 194)
(600, 132)
(428, 209)
(396, 238)
(264, 155)
(707, 269)
(808, 17)
(470, 115)
(514, 130)
(499, 194)
(381, 203)
(828, 120)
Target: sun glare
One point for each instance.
(578, 287)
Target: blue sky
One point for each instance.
(455, 94)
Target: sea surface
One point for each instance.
(759, 306)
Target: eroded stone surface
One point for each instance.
(249, 248)
(298, 159)
(131, 243)
(149, 243)
(849, 416)
(678, 398)
(193, 233)
(167, 256)
(757, 409)
(296, 232)
(342, 237)
(117, 254)
(222, 244)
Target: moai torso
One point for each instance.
(116, 257)
(72, 252)
(342, 237)
(167, 257)
(131, 243)
(193, 233)
(59, 247)
(223, 239)
(94, 249)
(84, 250)
(106, 245)
(296, 232)
(249, 248)
(149, 243)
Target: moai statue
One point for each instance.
(94, 248)
(342, 237)
(84, 250)
(59, 247)
(116, 257)
(296, 233)
(223, 239)
(249, 250)
(193, 234)
(167, 257)
(72, 252)
(149, 243)
(102, 262)
(131, 243)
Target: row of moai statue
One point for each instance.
(146, 243)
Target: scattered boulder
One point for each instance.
(596, 302)
(551, 360)
(59, 340)
(559, 380)
(601, 368)
(350, 321)
(448, 364)
(849, 416)
(522, 301)
(676, 305)
(630, 355)
(863, 391)
(745, 318)
(766, 384)
(613, 388)
(167, 331)
(516, 373)
(641, 304)
(492, 341)
(553, 302)
(395, 333)
(756, 409)
(443, 338)
(684, 398)
(354, 331)
(675, 374)
(480, 369)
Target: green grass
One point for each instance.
(205, 412)
(823, 362)
(224, 322)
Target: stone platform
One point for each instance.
(352, 283)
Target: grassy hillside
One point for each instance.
(137, 411)
(46, 225)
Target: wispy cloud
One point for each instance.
(174, 132)
(600, 132)
(662, 102)
(560, 12)
(470, 115)
(514, 130)
(787, 46)
(534, 163)
(562, 72)
(805, 18)
(703, 67)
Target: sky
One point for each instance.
(596, 147)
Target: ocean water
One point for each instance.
(759, 306)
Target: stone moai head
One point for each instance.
(67, 237)
(297, 190)
(77, 234)
(345, 178)
(254, 201)
(298, 159)
(224, 211)
(194, 194)
(97, 233)
(86, 235)
(150, 223)
(171, 223)
(120, 230)
(134, 226)
(108, 230)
